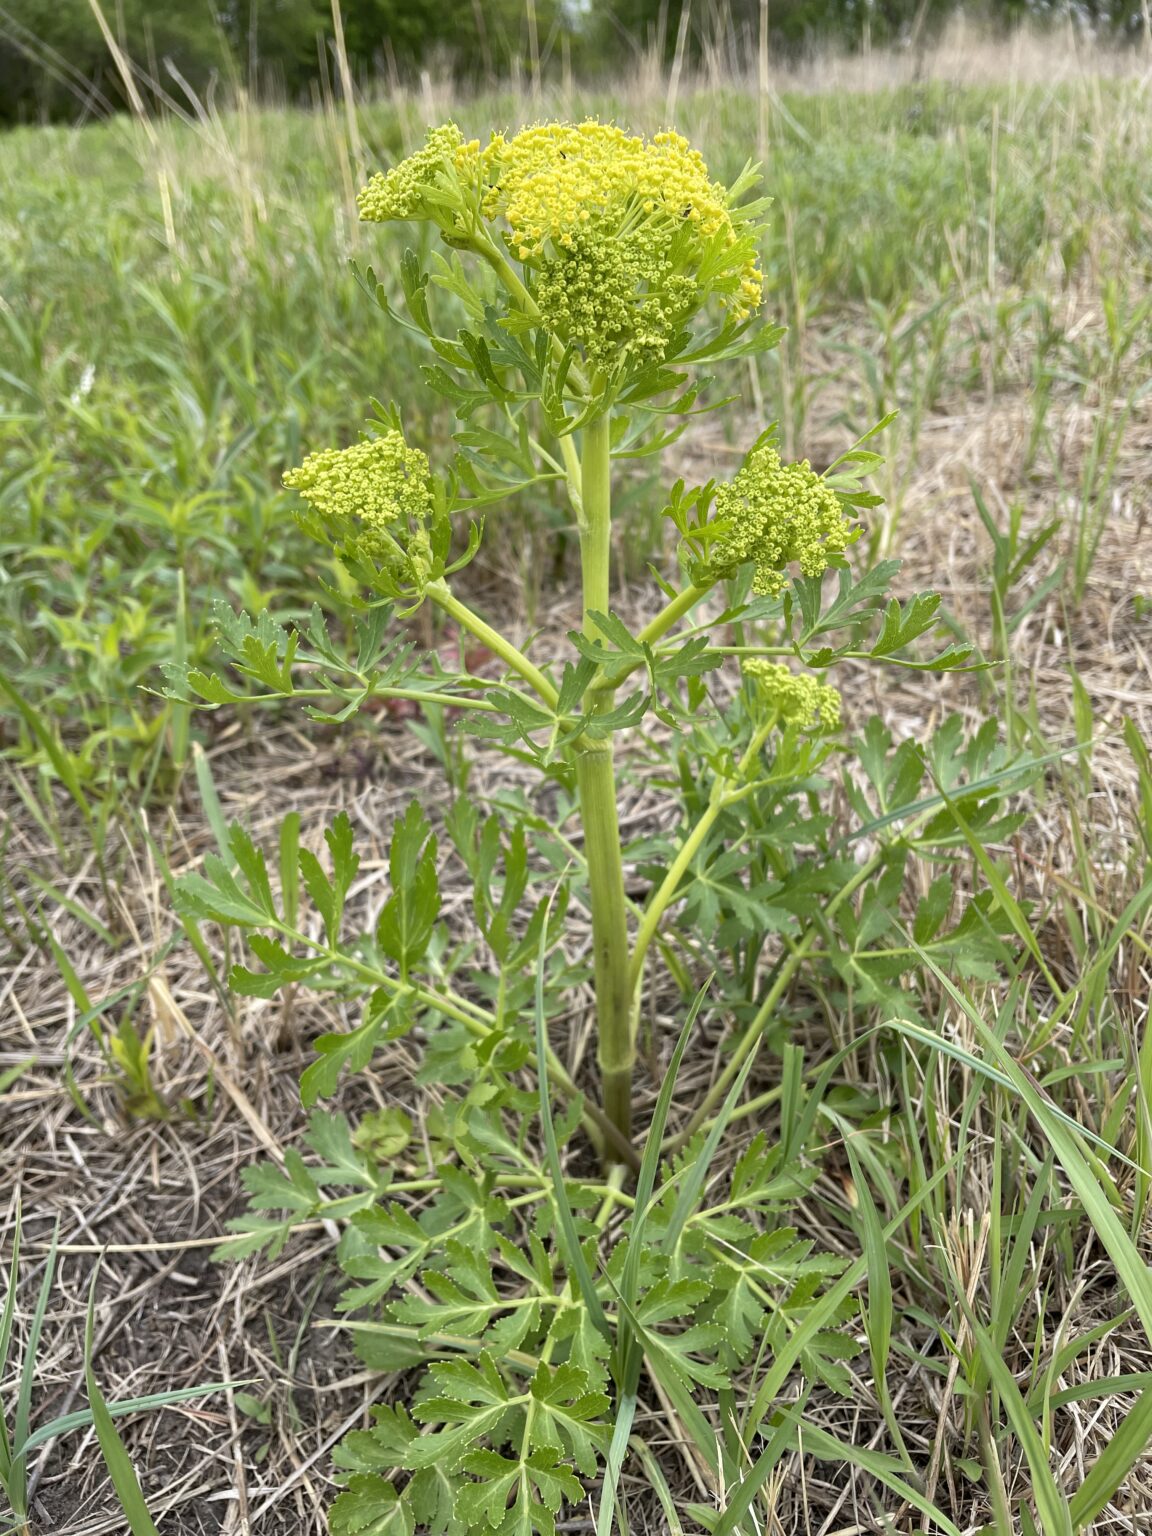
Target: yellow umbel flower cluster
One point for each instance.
(630, 237)
(381, 480)
(623, 239)
(417, 187)
(550, 182)
(777, 514)
(796, 698)
(388, 486)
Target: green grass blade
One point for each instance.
(6, 1319)
(996, 1075)
(658, 1483)
(1124, 1449)
(180, 714)
(22, 1419)
(688, 1411)
(75, 907)
(819, 1315)
(879, 1309)
(50, 744)
(1001, 778)
(650, 1162)
(1051, 1506)
(1101, 1386)
(1064, 1140)
(689, 1196)
(112, 1448)
(614, 1460)
(826, 1447)
(11, 1075)
(82, 1417)
(1020, 924)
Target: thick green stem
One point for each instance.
(596, 782)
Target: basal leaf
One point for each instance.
(370, 1506)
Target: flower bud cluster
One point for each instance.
(797, 698)
(611, 300)
(388, 486)
(623, 239)
(419, 185)
(778, 514)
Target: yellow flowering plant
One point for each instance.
(597, 273)
(617, 266)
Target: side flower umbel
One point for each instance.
(438, 183)
(777, 515)
(794, 698)
(378, 502)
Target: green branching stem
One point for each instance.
(669, 615)
(596, 782)
(722, 796)
(513, 657)
(672, 612)
(415, 695)
(575, 474)
(750, 1039)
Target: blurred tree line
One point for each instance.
(56, 63)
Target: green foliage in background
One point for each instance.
(157, 378)
(55, 64)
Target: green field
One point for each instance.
(180, 322)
